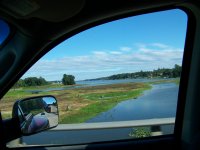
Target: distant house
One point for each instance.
(56, 82)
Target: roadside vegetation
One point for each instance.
(140, 132)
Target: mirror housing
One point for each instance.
(36, 114)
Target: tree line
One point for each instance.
(158, 73)
(34, 81)
(70, 79)
(31, 81)
(30, 106)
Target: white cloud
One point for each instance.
(101, 63)
(125, 49)
(140, 45)
(115, 52)
(160, 45)
(101, 53)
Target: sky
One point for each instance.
(132, 44)
(49, 100)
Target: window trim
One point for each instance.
(10, 34)
(184, 79)
(182, 91)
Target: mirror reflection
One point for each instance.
(37, 114)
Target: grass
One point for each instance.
(40, 87)
(176, 81)
(6, 115)
(22, 92)
(102, 102)
(112, 95)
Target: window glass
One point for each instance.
(123, 75)
(4, 31)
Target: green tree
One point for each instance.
(34, 81)
(68, 79)
(42, 81)
(176, 71)
(19, 83)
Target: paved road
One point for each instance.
(53, 118)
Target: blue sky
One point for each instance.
(49, 100)
(144, 42)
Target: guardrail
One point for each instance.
(116, 124)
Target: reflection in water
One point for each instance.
(159, 102)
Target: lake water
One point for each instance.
(159, 102)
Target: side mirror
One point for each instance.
(36, 114)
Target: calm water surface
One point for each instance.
(159, 102)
